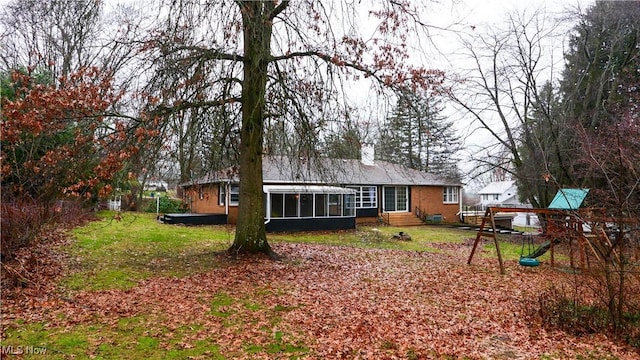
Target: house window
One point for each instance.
(306, 205)
(321, 205)
(277, 205)
(496, 196)
(291, 205)
(450, 195)
(234, 196)
(395, 198)
(200, 193)
(349, 208)
(366, 196)
(309, 205)
(335, 205)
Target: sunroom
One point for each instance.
(309, 208)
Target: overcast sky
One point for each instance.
(450, 18)
(480, 17)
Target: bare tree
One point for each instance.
(499, 92)
(65, 36)
(274, 62)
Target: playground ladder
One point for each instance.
(488, 217)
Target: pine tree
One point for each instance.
(417, 136)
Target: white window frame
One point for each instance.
(233, 192)
(450, 194)
(343, 204)
(396, 199)
(360, 198)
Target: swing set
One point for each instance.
(561, 224)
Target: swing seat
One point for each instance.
(525, 261)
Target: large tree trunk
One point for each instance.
(250, 229)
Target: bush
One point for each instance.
(569, 309)
(167, 205)
(563, 309)
(27, 228)
(21, 221)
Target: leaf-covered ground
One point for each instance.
(319, 302)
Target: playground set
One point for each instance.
(563, 223)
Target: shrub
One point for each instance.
(25, 231)
(562, 308)
(21, 221)
(167, 205)
(580, 310)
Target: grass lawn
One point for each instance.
(112, 254)
(138, 289)
(116, 254)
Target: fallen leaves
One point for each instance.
(329, 302)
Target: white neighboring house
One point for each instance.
(505, 194)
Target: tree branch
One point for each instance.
(205, 53)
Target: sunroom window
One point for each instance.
(309, 201)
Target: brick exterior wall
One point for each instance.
(209, 204)
(429, 199)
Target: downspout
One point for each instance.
(227, 197)
(267, 208)
(460, 214)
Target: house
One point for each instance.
(505, 194)
(325, 194)
(500, 193)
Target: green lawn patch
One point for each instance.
(132, 338)
(112, 254)
(116, 254)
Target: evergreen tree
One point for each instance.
(545, 146)
(344, 143)
(417, 136)
(605, 45)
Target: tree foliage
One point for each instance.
(56, 140)
(415, 135)
(57, 144)
(547, 147)
(602, 58)
(591, 124)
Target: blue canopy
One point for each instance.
(568, 199)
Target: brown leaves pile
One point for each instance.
(346, 303)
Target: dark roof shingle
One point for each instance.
(280, 169)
